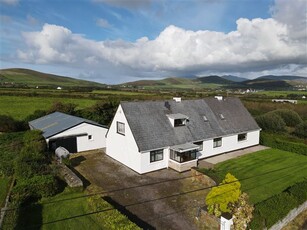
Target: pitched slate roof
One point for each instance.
(152, 129)
(57, 122)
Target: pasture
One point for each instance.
(19, 107)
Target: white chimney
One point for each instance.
(177, 99)
(220, 98)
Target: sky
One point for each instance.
(115, 41)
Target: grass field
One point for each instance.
(38, 213)
(281, 93)
(265, 173)
(20, 107)
(4, 186)
(55, 213)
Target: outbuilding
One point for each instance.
(75, 134)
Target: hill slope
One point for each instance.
(31, 78)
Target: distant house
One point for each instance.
(285, 101)
(153, 135)
(59, 87)
(73, 133)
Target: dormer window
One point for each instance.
(205, 118)
(179, 122)
(222, 116)
(178, 119)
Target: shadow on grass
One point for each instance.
(30, 216)
(132, 217)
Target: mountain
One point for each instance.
(234, 78)
(282, 77)
(31, 78)
(213, 79)
(267, 84)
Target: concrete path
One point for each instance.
(230, 155)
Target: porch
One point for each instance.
(183, 157)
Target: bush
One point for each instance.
(8, 124)
(271, 122)
(274, 142)
(36, 187)
(290, 117)
(301, 130)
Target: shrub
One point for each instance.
(36, 187)
(301, 130)
(290, 117)
(8, 124)
(271, 122)
(274, 142)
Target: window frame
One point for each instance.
(153, 155)
(90, 137)
(245, 137)
(118, 123)
(217, 142)
(200, 144)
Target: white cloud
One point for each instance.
(10, 2)
(256, 45)
(102, 23)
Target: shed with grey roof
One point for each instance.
(76, 134)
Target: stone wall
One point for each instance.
(201, 178)
(291, 215)
(70, 177)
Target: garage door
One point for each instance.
(69, 143)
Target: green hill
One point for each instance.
(30, 78)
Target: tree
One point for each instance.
(242, 212)
(301, 130)
(290, 117)
(220, 198)
(271, 122)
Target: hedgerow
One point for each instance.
(290, 117)
(272, 141)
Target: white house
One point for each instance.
(73, 133)
(152, 135)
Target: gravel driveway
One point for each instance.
(152, 199)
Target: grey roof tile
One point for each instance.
(58, 122)
(152, 129)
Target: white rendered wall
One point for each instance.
(123, 148)
(147, 166)
(83, 143)
(229, 143)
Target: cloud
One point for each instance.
(31, 20)
(128, 4)
(10, 2)
(256, 45)
(103, 23)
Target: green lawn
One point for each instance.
(19, 107)
(55, 213)
(265, 173)
(4, 186)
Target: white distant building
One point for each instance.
(59, 87)
(284, 101)
(152, 135)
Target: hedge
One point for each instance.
(272, 210)
(275, 142)
(290, 117)
(301, 130)
(271, 122)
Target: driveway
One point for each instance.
(164, 199)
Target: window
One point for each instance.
(222, 116)
(200, 144)
(156, 155)
(184, 156)
(242, 137)
(121, 128)
(179, 122)
(217, 142)
(90, 137)
(205, 118)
